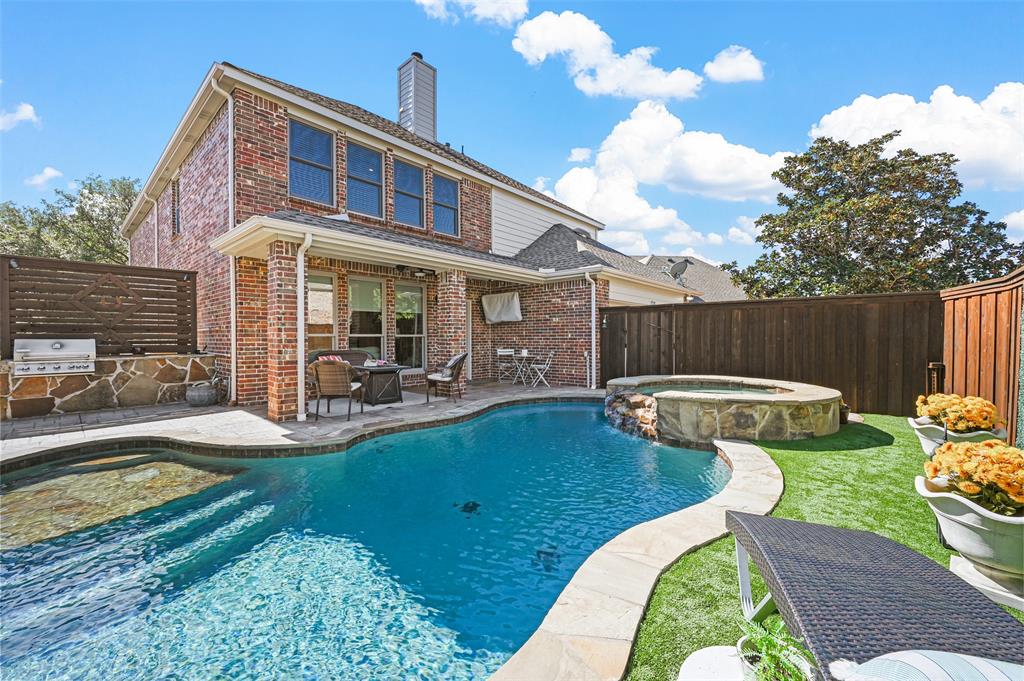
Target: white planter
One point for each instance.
(931, 435)
(993, 543)
(743, 646)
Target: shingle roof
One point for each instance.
(559, 248)
(714, 283)
(395, 130)
(340, 225)
(562, 247)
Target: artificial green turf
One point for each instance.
(862, 477)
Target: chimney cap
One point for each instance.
(418, 55)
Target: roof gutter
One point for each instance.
(255, 232)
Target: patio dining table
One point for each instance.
(382, 384)
(522, 361)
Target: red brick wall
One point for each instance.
(555, 317)
(203, 198)
(261, 181)
(282, 343)
(251, 322)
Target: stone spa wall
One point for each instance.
(117, 382)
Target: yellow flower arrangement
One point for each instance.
(989, 473)
(959, 414)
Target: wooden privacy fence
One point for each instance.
(122, 307)
(982, 343)
(875, 349)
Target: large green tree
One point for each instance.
(858, 220)
(77, 225)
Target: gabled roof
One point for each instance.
(392, 128)
(562, 247)
(714, 283)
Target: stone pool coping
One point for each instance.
(589, 632)
(237, 447)
(796, 393)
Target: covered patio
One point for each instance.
(399, 298)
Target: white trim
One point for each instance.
(426, 325)
(233, 385)
(383, 312)
(205, 92)
(334, 161)
(300, 326)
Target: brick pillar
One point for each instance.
(282, 342)
(450, 314)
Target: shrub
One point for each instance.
(989, 473)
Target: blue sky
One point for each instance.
(681, 143)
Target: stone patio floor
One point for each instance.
(247, 426)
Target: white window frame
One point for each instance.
(383, 180)
(423, 197)
(334, 161)
(458, 206)
(383, 314)
(334, 309)
(423, 348)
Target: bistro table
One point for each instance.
(522, 361)
(381, 384)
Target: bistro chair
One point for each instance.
(540, 369)
(506, 364)
(449, 375)
(336, 379)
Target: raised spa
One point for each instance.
(696, 410)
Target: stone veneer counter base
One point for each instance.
(790, 411)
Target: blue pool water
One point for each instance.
(430, 554)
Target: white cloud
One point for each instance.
(987, 136)
(1015, 225)
(683, 237)
(734, 64)
(24, 113)
(502, 12)
(715, 239)
(540, 183)
(651, 147)
(579, 155)
(40, 180)
(630, 243)
(594, 65)
(745, 231)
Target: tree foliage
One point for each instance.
(77, 225)
(858, 220)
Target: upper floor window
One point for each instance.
(175, 207)
(446, 206)
(310, 163)
(365, 180)
(408, 194)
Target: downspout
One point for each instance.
(593, 330)
(300, 322)
(233, 385)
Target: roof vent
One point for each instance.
(417, 97)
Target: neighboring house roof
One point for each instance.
(714, 283)
(394, 129)
(562, 247)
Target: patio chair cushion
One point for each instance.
(442, 377)
(925, 665)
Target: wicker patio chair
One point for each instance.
(336, 379)
(449, 375)
(855, 595)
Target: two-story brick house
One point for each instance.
(396, 238)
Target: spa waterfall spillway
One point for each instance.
(696, 410)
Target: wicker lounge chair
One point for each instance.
(336, 379)
(855, 595)
(448, 374)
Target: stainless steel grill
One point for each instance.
(53, 356)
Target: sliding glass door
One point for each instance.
(366, 326)
(409, 322)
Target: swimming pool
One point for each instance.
(433, 553)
